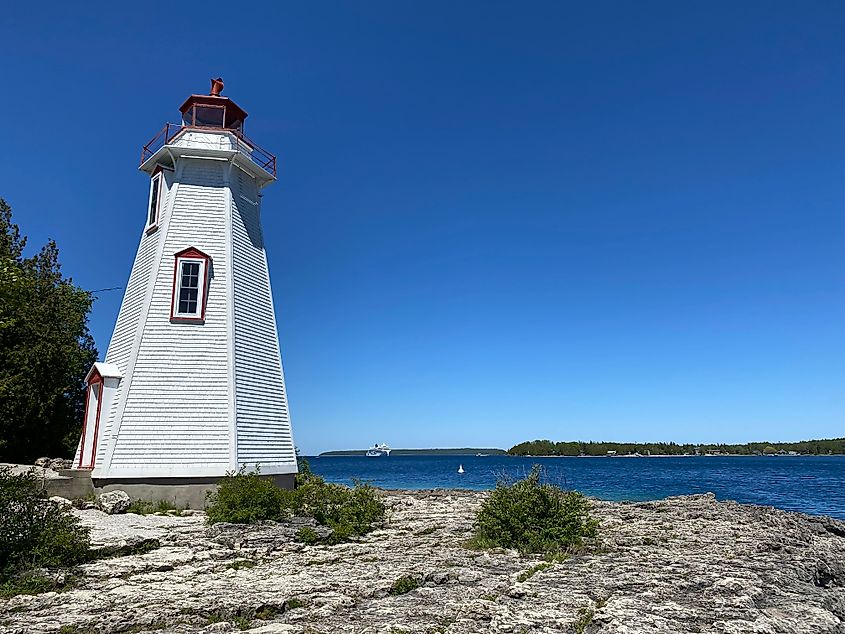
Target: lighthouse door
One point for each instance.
(90, 429)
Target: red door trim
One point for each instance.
(95, 379)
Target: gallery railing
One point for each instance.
(170, 131)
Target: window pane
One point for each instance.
(151, 219)
(189, 288)
(209, 116)
(188, 116)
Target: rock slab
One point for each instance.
(688, 564)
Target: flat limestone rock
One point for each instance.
(685, 564)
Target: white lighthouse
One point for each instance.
(192, 384)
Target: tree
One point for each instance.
(45, 350)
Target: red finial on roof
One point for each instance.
(216, 86)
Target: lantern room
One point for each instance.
(213, 110)
(213, 126)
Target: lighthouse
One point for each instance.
(192, 384)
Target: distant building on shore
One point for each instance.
(192, 384)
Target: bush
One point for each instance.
(244, 498)
(403, 585)
(348, 512)
(307, 535)
(148, 507)
(533, 517)
(34, 532)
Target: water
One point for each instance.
(811, 484)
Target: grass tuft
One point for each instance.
(527, 574)
(404, 585)
(585, 617)
(148, 507)
(242, 564)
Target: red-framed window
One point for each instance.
(190, 286)
(93, 406)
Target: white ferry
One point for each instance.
(378, 450)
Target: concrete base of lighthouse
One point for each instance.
(180, 492)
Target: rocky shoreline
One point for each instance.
(686, 564)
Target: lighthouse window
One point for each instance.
(155, 191)
(190, 283)
(209, 116)
(190, 288)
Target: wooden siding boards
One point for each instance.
(263, 422)
(128, 317)
(176, 411)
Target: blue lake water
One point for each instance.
(811, 484)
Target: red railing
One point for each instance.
(165, 136)
(170, 131)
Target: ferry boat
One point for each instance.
(378, 450)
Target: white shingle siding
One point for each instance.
(198, 399)
(125, 329)
(176, 410)
(263, 423)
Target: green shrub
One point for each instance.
(34, 532)
(244, 498)
(242, 622)
(348, 512)
(403, 585)
(28, 583)
(307, 535)
(148, 507)
(303, 470)
(242, 564)
(533, 517)
(267, 612)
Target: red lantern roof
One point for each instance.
(234, 115)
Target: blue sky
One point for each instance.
(494, 221)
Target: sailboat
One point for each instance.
(460, 468)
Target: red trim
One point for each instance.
(196, 254)
(97, 424)
(84, 426)
(171, 131)
(192, 252)
(237, 113)
(94, 379)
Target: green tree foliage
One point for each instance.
(34, 532)
(45, 350)
(245, 497)
(533, 517)
(573, 448)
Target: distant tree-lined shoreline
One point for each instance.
(463, 451)
(580, 448)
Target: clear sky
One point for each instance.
(494, 221)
